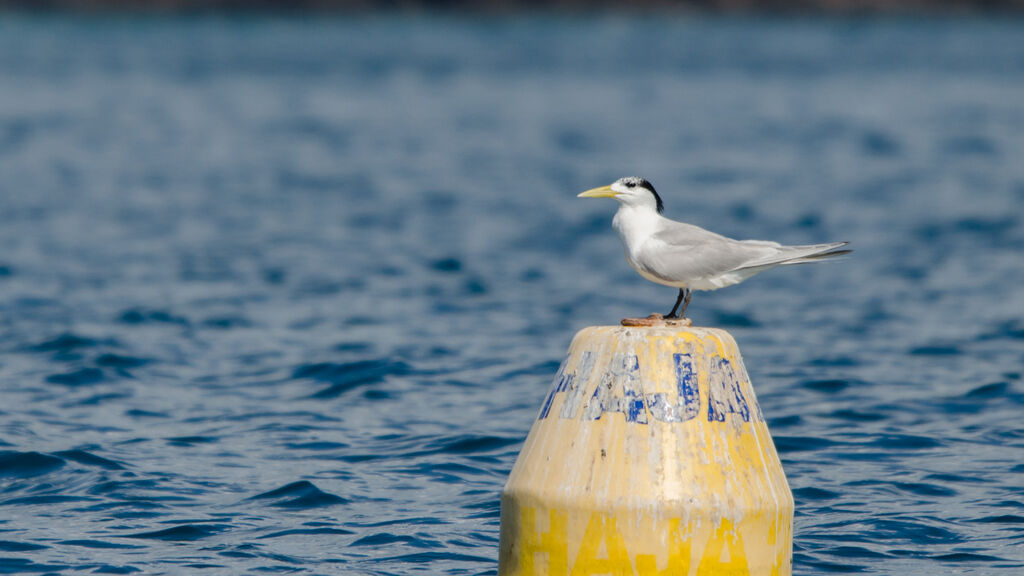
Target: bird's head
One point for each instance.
(629, 191)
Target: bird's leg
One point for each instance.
(686, 303)
(683, 293)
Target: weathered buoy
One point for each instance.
(650, 456)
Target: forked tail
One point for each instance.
(827, 251)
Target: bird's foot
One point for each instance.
(678, 321)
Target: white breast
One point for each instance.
(635, 227)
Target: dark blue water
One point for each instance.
(286, 295)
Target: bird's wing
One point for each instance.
(683, 234)
(683, 252)
(794, 254)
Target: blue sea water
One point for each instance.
(285, 295)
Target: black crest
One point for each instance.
(634, 181)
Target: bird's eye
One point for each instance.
(630, 184)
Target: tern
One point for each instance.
(688, 257)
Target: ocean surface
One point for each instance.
(286, 294)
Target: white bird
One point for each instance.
(688, 257)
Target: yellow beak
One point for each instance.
(602, 192)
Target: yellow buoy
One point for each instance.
(650, 456)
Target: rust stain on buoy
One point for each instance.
(657, 320)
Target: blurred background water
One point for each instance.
(283, 294)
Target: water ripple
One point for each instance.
(26, 464)
(350, 375)
(183, 533)
(302, 494)
(306, 532)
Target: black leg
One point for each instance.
(683, 293)
(686, 303)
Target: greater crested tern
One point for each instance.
(688, 257)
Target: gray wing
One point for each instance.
(686, 252)
(689, 252)
(786, 255)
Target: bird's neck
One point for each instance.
(635, 224)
